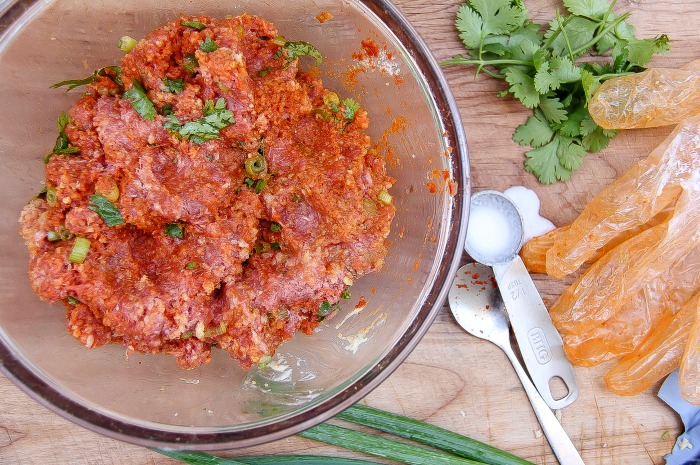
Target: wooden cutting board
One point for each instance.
(471, 388)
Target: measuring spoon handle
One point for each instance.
(560, 442)
(538, 340)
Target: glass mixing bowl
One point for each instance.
(148, 399)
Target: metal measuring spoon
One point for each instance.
(478, 308)
(494, 238)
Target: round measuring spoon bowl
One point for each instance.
(495, 233)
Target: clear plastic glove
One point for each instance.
(655, 97)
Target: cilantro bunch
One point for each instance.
(554, 70)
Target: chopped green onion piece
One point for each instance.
(64, 233)
(106, 209)
(369, 206)
(139, 101)
(275, 227)
(264, 72)
(279, 40)
(72, 300)
(297, 198)
(275, 245)
(190, 63)
(345, 294)
(80, 249)
(191, 265)
(53, 236)
(51, 196)
(384, 197)
(331, 100)
(175, 230)
(193, 24)
(264, 360)
(126, 43)
(187, 335)
(255, 165)
(262, 247)
(208, 45)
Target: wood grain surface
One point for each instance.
(472, 388)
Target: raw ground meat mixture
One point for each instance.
(263, 253)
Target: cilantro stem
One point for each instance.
(548, 43)
(597, 38)
(604, 21)
(460, 60)
(572, 55)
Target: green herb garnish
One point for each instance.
(140, 101)
(175, 230)
(208, 45)
(297, 49)
(62, 145)
(71, 84)
(326, 309)
(216, 117)
(345, 294)
(193, 24)
(190, 63)
(72, 300)
(106, 209)
(351, 107)
(550, 74)
(275, 227)
(191, 265)
(258, 185)
(174, 86)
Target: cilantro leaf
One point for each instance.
(590, 8)
(570, 153)
(469, 25)
(299, 49)
(208, 45)
(140, 101)
(595, 138)
(106, 209)
(193, 24)
(216, 117)
(545, 80)
(522, 87)
(351, 107)
(536, 132)
(552, 108)
(564, 70)
(565, 39)
(590, 83)
(544, 163)
(175, 230)
(640, 51)
(499, 16)
(174, 86)
(572, 126)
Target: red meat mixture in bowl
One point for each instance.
(207, 193)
